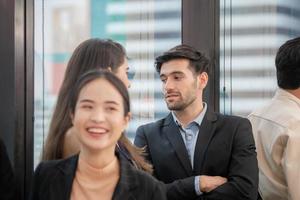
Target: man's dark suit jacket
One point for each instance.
(225, 147)
(53, 181)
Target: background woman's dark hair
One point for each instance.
(288, 64)
(136, 153)
(198, 62)
(89, 55)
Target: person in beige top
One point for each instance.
(100, 112)
(276, 129)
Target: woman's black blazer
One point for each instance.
(53, 181)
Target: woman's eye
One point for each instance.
(111, 108)
(88, 107)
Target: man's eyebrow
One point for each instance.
(172, 73)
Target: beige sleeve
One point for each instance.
(291, 162)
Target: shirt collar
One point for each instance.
(283, 93)
(197, 120)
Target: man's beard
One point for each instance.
(181, 105)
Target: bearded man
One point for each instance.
(199, 154)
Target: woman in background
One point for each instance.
(99, 112)
(89, 55)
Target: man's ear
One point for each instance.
(202, 80)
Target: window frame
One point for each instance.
(200, 29)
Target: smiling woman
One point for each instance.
(99, 118)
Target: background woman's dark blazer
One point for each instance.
(7, 180)
(53, 181)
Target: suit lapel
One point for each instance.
(68, 170)
(206, 132)
(175, 138)
(123, 191)
(128, 183)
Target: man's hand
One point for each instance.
(209, 183)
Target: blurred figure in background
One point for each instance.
(276, 129)
(7, 180)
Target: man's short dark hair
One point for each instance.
(288, 64)
(198, 62)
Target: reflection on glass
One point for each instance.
(145, 28)
(250, 34)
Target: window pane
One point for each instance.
(145, 28)
(251, 32)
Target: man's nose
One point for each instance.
(168, 85)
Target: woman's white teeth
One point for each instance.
(97, 130)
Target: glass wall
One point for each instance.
(145, 28)
(250, 33)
